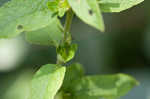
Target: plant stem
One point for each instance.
(68, 22)
(59, 62)
(67, 27)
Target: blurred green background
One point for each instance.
(124, 47)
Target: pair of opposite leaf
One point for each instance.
(65, 52)
(58, 82)
(38, 18)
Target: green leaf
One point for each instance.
(17, 16)
(58, 6)
(89, 12)
(53, 5)
(66, 52)
(47, 81)
(73, 72)
(103, 86)
(117, 5)
(49, 35)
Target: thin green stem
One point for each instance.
(68, 22)
(59, 62)
(67, 27)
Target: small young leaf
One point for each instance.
(63, 7)
(49, 35)
(103, 86)
(73, 72)
(53, 5)
(117, 5)
(89, 12)
(17, 16)
(47, 81)
(66, 52)
(58, 6)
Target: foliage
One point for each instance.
(47, 81)
(39, 20)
